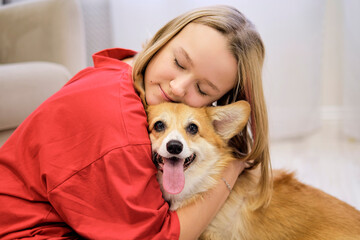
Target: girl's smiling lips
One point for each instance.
(167, 98)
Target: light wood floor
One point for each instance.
(325, 159)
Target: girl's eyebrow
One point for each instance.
(211, 85)
(186, 55)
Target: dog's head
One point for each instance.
(188, 142)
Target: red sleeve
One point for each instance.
(123, 204)
(83, 159)
(113, 192)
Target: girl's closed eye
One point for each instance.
(178, 64)
(200, 91)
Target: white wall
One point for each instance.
(351, 69)
(97, 26)
(311, 69)
(332, 57)
(303, 71)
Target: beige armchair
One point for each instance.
(42, 44)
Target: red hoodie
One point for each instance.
(80, 165)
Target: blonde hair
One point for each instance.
(245, 43)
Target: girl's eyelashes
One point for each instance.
(178, 64)
(201, 92)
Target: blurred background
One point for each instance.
(311, 72)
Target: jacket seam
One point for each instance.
(121, 115)
(99, 158)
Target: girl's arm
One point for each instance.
(195, 217)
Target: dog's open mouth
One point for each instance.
(159, 160)
(173, 171)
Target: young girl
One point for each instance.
(80, 165)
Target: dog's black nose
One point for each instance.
(174, 147)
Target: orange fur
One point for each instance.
(200, 176)
(296, 210)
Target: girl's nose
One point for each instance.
(179, 86)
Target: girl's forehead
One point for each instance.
(207, 50)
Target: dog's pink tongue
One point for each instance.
(173, 176)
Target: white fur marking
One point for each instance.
(174, 135)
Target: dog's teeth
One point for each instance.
(189, 160)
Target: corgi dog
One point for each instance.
(190, 149)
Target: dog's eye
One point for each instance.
(159, 126)
(192, 129)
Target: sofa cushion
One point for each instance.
(24, 86)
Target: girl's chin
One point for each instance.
(154, 101)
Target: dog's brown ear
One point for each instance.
(230, 119)
(140, 89)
